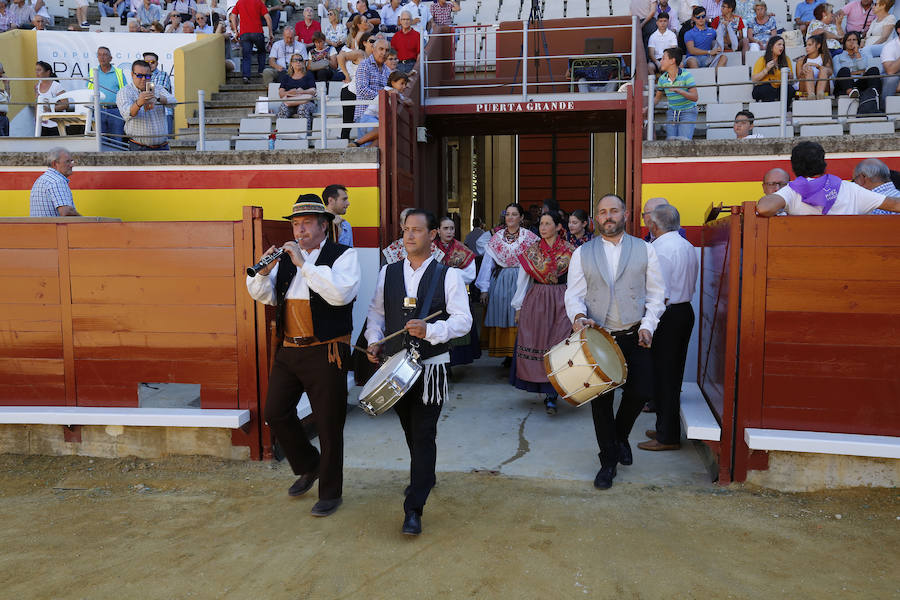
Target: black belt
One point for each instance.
(625, 332)
(147, 145)
(301, 341)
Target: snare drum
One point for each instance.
(390, 383)
(586, 364)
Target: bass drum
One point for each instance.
(389, 383)
(586, 364)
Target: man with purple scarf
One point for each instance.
(814, 192)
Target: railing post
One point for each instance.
(524, 60)
(651, 96)
(423, 60)
(324, 108)
(201, 115)
(634, 32)
(783, 99)
(97, 119)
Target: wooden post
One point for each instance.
(65, 313)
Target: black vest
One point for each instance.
(329, 321)
(395, 317)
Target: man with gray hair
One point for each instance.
(50, 194)
(679, 265)
(874, 175)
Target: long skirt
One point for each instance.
(500, 318)
(542, 324)
(467, 349)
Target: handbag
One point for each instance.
(318, 65)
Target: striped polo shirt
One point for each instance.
(683, 80)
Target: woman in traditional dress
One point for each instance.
(578, 232)
(540, 308)
(497, 282)
(396, 251)
(466, 349)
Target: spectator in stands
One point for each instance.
(4, 106)
(185, 9)
(859, 15)
(51, 195)
(874, 175)
(349, 61)
(803, 14)
(246, 19)
(743, 126)
(144, 110)
(774, 180)
(275, 7)
(362, 9)
(730, 29)
(335, 31)
(307, 27)
(814, 70)
(81, 7)
(825, 25)
(203, 25)
(645, 11)
(112, 8)
(174, 25)
(890, 64)
(38, 23)
(396, 84)
(46, 92)
(187, 27)
(358, 26)
(390, 17)
(326, 6)
(421, 16)
(337, 202)
(406, 42)
(156, 27)
(6, 20)
(880, 30)
(761, 27)
(158, 77)
(851, 69)
(322, 59)
(766, 73)
(109, 80)
(713, 8)
(661, 39)
(702, 48)
(391, 61)
(746, 9)
(678, 86)
(814, 192)
(298, 90)
(148, 13)
(21, 14)
(664, 7)
(371, 76)
(281, 53)
(442, 12)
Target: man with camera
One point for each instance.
(142, 106)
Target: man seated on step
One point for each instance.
(702, 48)
(659, 40)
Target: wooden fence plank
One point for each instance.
(28, 235)
(31, 344)
(39, 290)
(844, 263)
(107, 394)
(219, 396)
(163, 262)
(23, 371)
(29, 317)
(39, 392)
(190, 235)
(833, 328)
(152, 290)
(837, 230)
(126, 371)
(835, 296)
(65, 312)
(28, 263)
(159, 318)
(151, 345)
(831, 361)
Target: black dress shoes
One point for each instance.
(625, 457)
(604, 478)
(303, 484)
(412, 524)
(323, 508)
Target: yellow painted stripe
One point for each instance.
(692, 199)
(196, 205)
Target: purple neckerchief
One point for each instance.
(821, 191)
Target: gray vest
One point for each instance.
(629, 284)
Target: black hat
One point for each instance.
(309, 204)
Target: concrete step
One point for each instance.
(215, 113)
(242, 96)
(240, 87)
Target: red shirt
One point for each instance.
(304, 33)
(251, 14)
(406, 44)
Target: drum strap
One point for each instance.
(435, 277)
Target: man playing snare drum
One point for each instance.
(408, 291)
(615, 282)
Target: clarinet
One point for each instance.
(264, 262)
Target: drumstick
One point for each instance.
(383, 340)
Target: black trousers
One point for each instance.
(347, 95)
(669, 351)
(419, 422)
(844, 82)
(298, 370)
(638, 389)
(766, 92)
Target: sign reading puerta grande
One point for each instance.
(522, 107)
(74, 53)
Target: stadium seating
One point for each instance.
(704, 77)
(823, 129)
(721, 116)
(812, 112)
(734, 75)
(871, 128)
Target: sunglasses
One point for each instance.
(142, 75)
(703, 16)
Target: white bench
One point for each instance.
(879, 446)
(697, 420)
(148, 417)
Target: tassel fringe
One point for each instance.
(435, 384)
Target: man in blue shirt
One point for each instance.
(109, 80)
(51, 195)
(803, 14)
(336, 202)
(874, 175)
(702, 48)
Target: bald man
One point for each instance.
(649, 205)
(774, 180)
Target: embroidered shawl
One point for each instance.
(576, 242)
(506, 254)
(397, 252)
(455, 253)
(546, 264)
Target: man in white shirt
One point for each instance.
(679, 265)
(743, 126)
(660, 40)
(435, 288)
(890, 65)
(816, 193)
(280, 55)
(421, 16)
(615, 282)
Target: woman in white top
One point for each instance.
(335, 31)
(45, 92)
(815, 68)
(352, 54)
(880, 30)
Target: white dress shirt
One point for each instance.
(523, 284)
(679, 265)
(338, 285)
(457, 301)
(468, 273)
(421, 11)
(654, 304)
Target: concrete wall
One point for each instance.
(198, 66)
(18, 52)
(808, 472)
